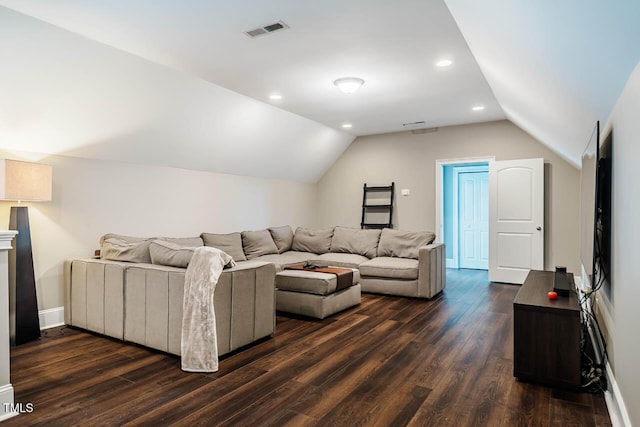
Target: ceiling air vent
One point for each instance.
(414, 124)
(417, 127)
(271, 28)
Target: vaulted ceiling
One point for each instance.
(555, 67)
(552, 68)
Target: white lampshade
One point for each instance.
(25, 181)
(348, 84)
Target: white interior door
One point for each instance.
(473, 190)
(516, 218)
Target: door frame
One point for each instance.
(456, 203)
(439, 190)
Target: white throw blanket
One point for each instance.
(199, 345)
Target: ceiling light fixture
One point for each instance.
(348, 84)
(275, 97)
(444, 63)
(347, 125)
(478, 108)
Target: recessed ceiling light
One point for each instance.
(478, 108)
(275, 96)
(444, 63)
(348, 84)
(347, 125)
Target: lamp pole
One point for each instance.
(24, 322)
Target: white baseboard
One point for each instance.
(51, 318)
(615, 405)
(450, 263)
(6, 396)
(7, 415)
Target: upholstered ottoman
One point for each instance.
(313, 294)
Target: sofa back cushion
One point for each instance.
(403, 244)
(283, 238)
(230, 243)
(116, 247)
(183, 241)
(171, 254)
(258, 243)
(355, 241)
(316, 241)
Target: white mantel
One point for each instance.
(6, 389)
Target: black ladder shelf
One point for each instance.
(385, 208)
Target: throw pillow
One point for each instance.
(183, 241)
(355, 241)
(315, 241)
(403, 244)
(230, 243)
(115, 247)
(171, 254)
(283, 238)
(258, 243)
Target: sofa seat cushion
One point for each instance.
(310, 282)
(285, 259)
(390, 267)
(339, 260)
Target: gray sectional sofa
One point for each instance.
(392, 262)
(134, 291)
(132, 299)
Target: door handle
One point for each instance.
(539, 228)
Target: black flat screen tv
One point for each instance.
(595, 212)
(602, 241)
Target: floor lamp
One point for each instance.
(23, 181)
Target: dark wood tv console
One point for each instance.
(546, 343)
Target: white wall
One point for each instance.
(621, 315)
(93, 197)
(61, 93)
(71, 99)
(555, 67)
(409, 160)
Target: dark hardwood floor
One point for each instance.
(388, 362)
